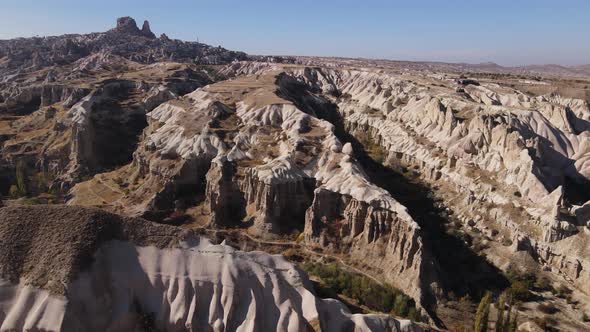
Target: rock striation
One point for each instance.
(248, 157)
(510, 165)
(95, 271)
(75, 129)
(420, 175)
(520, 159)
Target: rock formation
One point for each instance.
(69, 268)
(126, 40)
(416, 175)
(268, 162)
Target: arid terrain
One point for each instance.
(154, 184)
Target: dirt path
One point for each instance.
(298, 245)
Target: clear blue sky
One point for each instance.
(507, 32)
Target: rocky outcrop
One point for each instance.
(146, 31)
(126, 40)
(25, 100)
(224, 198)
(127, 25)
(114, 273)
(508, 151)
(156, 96)
(84, 125)
(509, 165)
(272, 168)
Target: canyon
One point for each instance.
(127, 160)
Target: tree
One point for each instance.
(483, 313)
(514, 323)
(506, 321)
(500, 305)
(21, 177)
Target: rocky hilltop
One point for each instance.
(407, 189)
(125, 40)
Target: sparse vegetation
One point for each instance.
(43, 180)
(374, 150)
(14, 192)
(367, 292)
(521, 285)
(543, 284)
(31, 201)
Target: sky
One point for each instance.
(511, 33)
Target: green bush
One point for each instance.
(14, 192)
(521, 285)
(383, 298)
(520, 290)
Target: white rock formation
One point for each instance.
(188, 285)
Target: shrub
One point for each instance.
(13, 191)
(543, 284)
(521, 285)
(383, 298)
(300, 237)
(520, 290)
(43, 180)
(293, 255)
(563, 292)
(21, 175)
(547, 308)
(506, 242)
